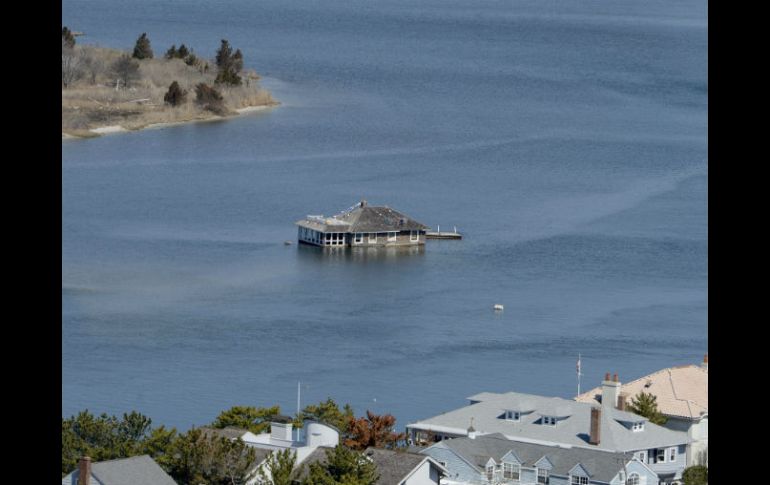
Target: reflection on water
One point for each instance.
(389, 254)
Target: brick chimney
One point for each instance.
(622, 397)
(596, 425)
(84, 467)
(610, 391)
(705, 363)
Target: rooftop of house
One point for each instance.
(680, 391)
(392, 466)
(573, 420)
(364, 218)
(125, 471)
(601, 466)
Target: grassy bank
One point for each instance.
(94, 98)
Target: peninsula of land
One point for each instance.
(108, 90)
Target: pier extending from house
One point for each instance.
(443, 235)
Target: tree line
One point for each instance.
(200, 456)
(125, 70)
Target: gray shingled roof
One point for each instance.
(392, 466)
(574, 430)
(230, 432)
(127, 471)
(601, 465)
(365, 219)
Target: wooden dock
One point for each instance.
(443, 235)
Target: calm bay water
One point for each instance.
(567, 141)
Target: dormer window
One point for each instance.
(512, 415)
(549, 420)
(638, 426)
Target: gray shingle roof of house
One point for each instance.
(392, 466)
(573, 430)
(127, 471)
(365, 219)
(601, 466)
(230, 432)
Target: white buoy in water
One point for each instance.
(287, 243)
(498, 307)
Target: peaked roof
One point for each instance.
(364, 218)
(395, 466)
(680, 391)
(600, 465)
(125, 471)
(572, 429)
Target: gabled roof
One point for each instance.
(574, 430)
(229, 432)
(395, 466)
(600, 465)
(126, 471)
(364, 218)
(680, 391)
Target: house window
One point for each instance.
(660, 455)
(542, 476)
(359, 238)
(638, 426)
(549, 420)
(372, 237)
(490, 472)
(511, 470)
(672, 454)
(641, 456)
(578, 480)
(414, 236)
(633, 479)
(392, 236)
(512, 415)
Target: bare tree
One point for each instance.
(92, 64)
(71, 64)
(126, 69)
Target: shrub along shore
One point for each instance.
(107, 90)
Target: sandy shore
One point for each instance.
(103, 130)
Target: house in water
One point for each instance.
(362, 225)
(125, 471)
(682, 397)
(494, 459)
(395, 467)
(553, 421)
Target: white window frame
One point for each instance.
(671, 454)
(633, 479)
(511, 470)
(490, 472)
(372, 237)
(542, 473)
(358, 238)
(578, 480)
(549, 420)
(514, 416)
(414, 236)
(658, 453)
(394, 236)
(638, 426)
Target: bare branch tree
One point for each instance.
(71, 64)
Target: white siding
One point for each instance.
(423, 476)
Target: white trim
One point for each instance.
(394, 236)
(668, 454)
(358, 238)
(414, 236)
(372, 240)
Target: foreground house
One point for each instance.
(493, 459)
(395, 467)
(682, 396)
(362, 225)
(283, 436)
(553, 421)
(126, 471)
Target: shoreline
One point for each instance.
(113, 129)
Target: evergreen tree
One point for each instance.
(256, 420)
(175, 95)
(279, 468)
(696, 475)
(328, 412)
(205, 458)
(142, 49)
(183, 52)
(228, 65)
(172, 53)
(646, 404)
(343, 467)
(67, 37)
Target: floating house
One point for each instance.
(362, 225)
